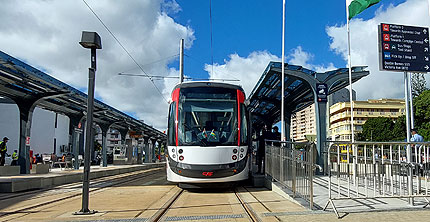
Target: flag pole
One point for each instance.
(283, 73)
(350, 74)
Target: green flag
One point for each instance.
(355, 7)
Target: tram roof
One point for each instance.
(22, 82)
(265, 98)
(192, 84)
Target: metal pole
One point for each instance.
(350, 93)
(88, 133)
(411, 99)
(408, 136)
(283, 73)
(181, 62)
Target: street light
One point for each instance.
(89, 40)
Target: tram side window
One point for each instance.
(244, 126)
(171, 127)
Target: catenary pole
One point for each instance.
(350, 73)
(283, 73)
(181, 62)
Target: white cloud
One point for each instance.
(45, 34)
(302, 58)
(364, 47)
(248, 70)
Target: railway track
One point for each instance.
(161, 214)
(96, 186)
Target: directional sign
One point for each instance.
(403, 48)
(322, 92)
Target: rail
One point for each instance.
(293, 165)
(374, 170)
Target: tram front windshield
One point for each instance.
(207, 117)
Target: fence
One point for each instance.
(372, 170)
(292, 165)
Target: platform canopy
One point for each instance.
(265, 98)
(22, 82)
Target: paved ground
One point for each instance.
(141, 196)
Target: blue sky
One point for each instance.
(245, 26)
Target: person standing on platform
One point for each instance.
(261, 152)
(276, 135)
(14, 158)
(3, 150)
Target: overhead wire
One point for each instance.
(153, 62)
(126, 51)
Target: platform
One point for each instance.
(58, 177)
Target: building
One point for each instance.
(340, 115)
(303, 122)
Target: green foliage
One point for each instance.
(418, 83)
(377, 129)
(422, 114)
(399, 129)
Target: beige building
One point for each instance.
(303, 123)
(340, 115)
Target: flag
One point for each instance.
(355, 7)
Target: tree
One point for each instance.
(399, 129)
(422, 114)
(378, 129)
(418, 83)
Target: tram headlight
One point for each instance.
(242, 150)
(234, 157)
(173, 150)
(241, 155)
(181, 158)
(234, 150)
(180, 151)
(173, 156)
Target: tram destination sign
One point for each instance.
(403, 48)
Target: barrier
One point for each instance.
(292, 165)
(373, 170)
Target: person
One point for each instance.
(3, 150)
(14, 158)
(276, 135)
(416, 137)
(261, 152)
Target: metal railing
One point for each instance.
(292, 165)
(372, 170)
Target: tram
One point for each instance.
(208, 134)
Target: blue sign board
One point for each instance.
(403, 48)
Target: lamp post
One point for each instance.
(89, 40)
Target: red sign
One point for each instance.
(387, 37)
(207, 174)
(386, 27)
(79, 125)
(27, 141)
(386, 46)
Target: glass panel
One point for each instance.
(207, 117)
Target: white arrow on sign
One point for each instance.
(426, 67)
(426, 58)
(425, 31)
(426, 40)
(426, 49)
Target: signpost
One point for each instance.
(403, 48)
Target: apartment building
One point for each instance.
(340, 115)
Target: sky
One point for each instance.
(246, 36)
